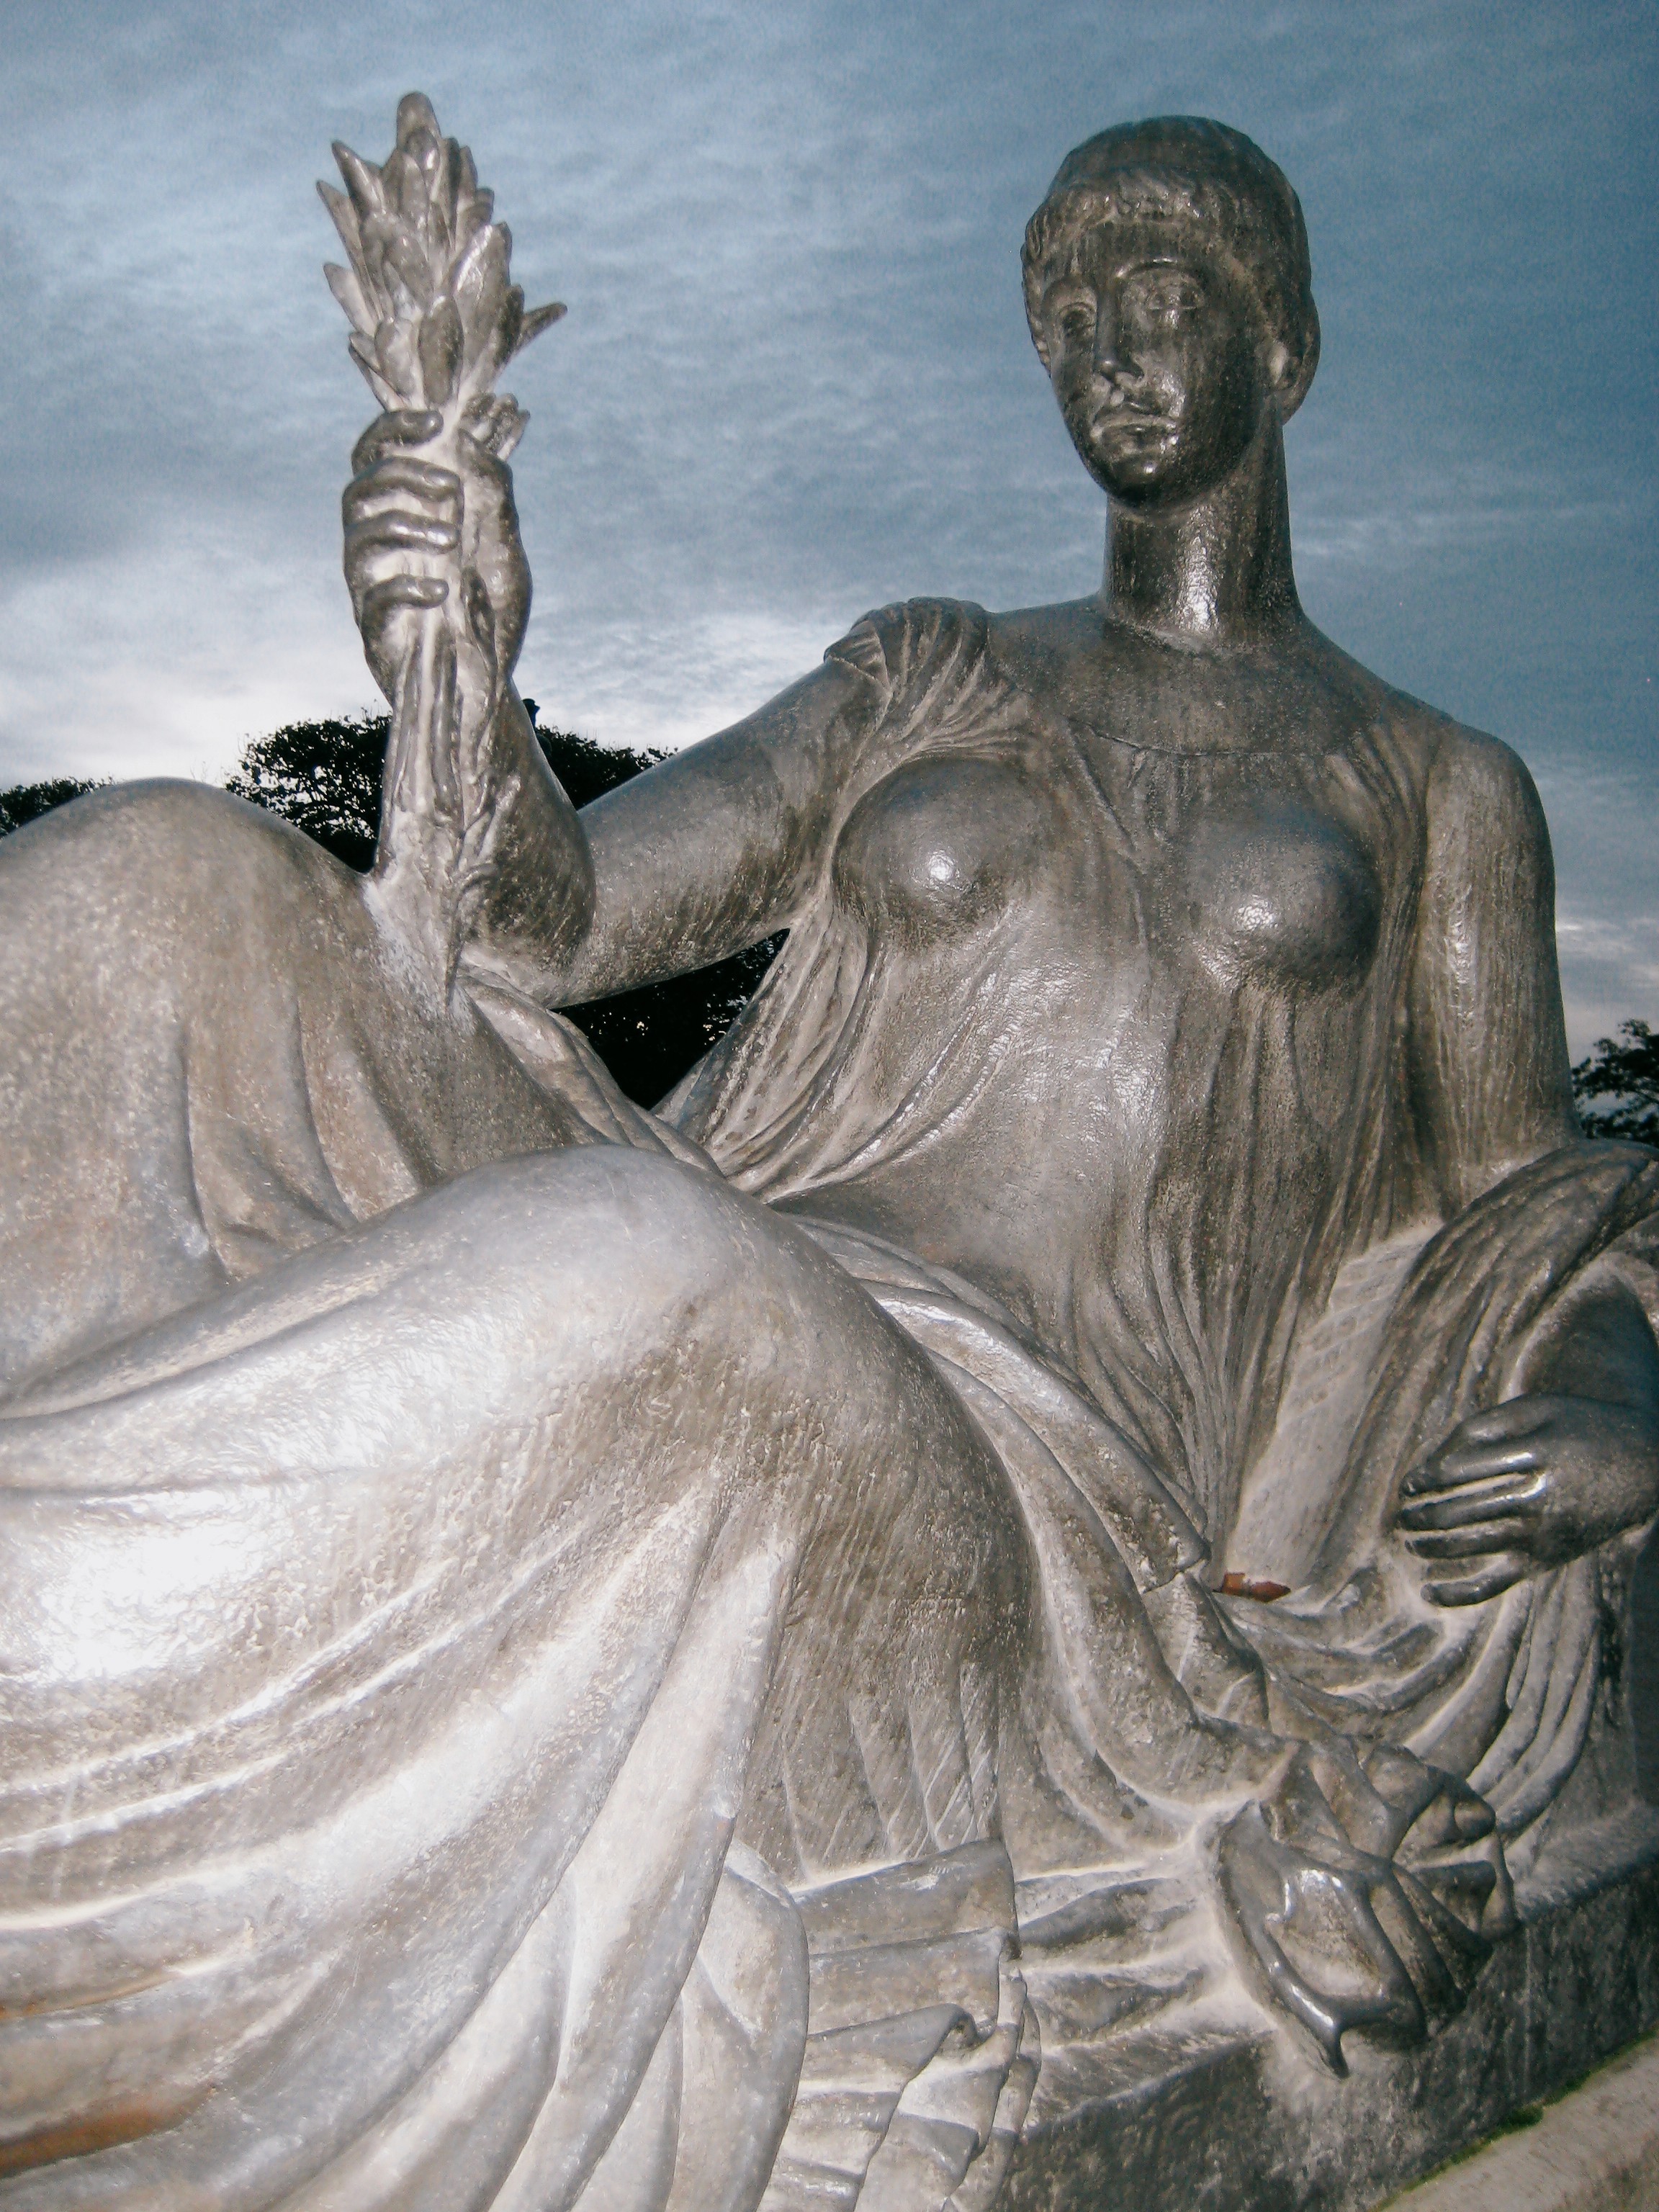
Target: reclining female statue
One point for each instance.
(554, 1653)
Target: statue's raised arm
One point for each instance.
(480, 858)
(479, 862)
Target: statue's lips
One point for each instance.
(1129, 419)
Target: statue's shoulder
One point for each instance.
(1062, 628)
(910, 622)
(1482, 799)
(1469, 773)
(894, 646)
(1456, 764)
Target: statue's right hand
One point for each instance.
(402, 518)
(1347, 1935)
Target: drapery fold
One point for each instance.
(1505, 1691)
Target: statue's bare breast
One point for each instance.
(1055, 929)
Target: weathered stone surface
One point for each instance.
(1595, 2150)
(1248, 2130)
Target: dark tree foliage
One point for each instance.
(325, 777)
(25, 801)
(587, 770)
(1625, 1069)
(649, 1038)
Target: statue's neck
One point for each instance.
(1216, 568)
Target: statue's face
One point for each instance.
(1160, 361)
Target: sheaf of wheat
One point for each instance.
(434, 314)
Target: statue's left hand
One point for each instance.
(1531, 1484)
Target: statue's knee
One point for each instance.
(162, 812)
(632, 1243)
(148, 854)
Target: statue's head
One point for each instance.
(1168, 290)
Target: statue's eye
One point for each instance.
(1166, 296)
(1073, 316)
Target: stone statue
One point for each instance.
(1069, 1494)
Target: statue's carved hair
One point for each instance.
(1202, 176)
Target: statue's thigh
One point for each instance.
(124, 897)
(559, 1351)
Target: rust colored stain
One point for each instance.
(1246, 1586)
(116, 2124)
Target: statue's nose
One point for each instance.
(1109, 360)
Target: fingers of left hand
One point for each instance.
(403, 591)
(401, 427)
(1500, 1573)
(1455, 1464)
(1514, 1417)
(410, 531)
(419, 480)
(1480, 1538)
(1508, 1495)
(1488, 1437)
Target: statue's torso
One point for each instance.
(1112, 966)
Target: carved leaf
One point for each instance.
(446, 187)
(362, 181)
(416, 113)
(404, 254)
(478, 284)
(394, 348)
(504, 338)
(349, 293)
(363, 353)
(537, 320)
(404, 186)
(440, 345)
(345, 219)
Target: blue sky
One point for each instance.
(795, 379)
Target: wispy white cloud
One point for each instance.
(1609, 970)
(795, 381)
(166, 664)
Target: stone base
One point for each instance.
(1254, 2127)
(1597, 2150)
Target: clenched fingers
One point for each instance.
(392, 592)
(400, 428)
(1477, 1542)
(422, 482)
(398, 529)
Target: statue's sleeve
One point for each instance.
(1491, 1084)
(865, 651)
(924, 668)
